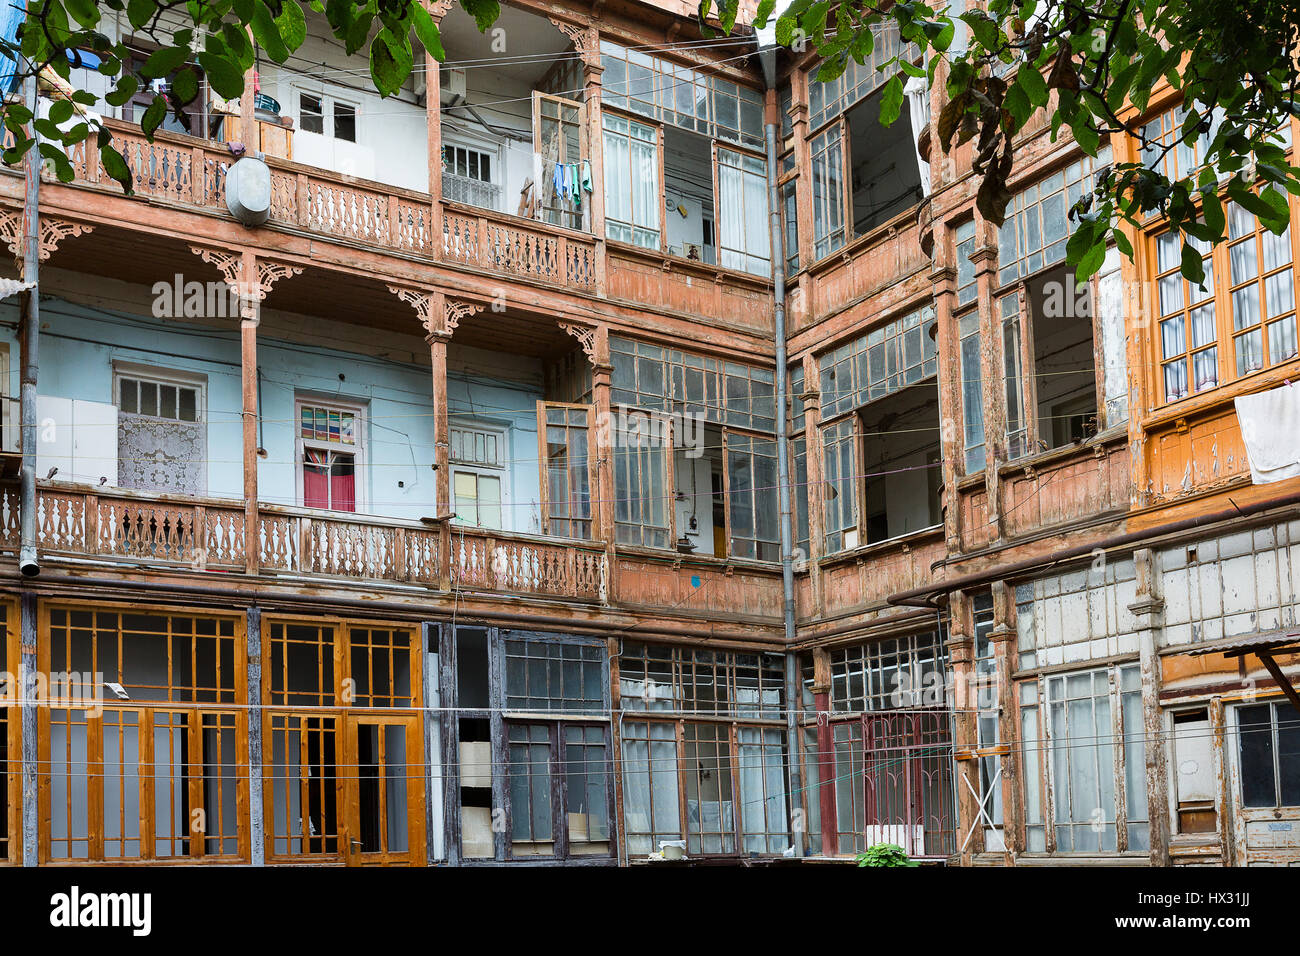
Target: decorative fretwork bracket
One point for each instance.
(456, 309)
(586, 336)
(251, 290)
(425, 303)
(52, 232)
(586, 42)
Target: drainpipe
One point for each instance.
(768, 58)
(27, 558)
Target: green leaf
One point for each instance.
(484, 12)
(891, 100)
(1193, 266)
(1031, 81)
(267, 33)
(1091, 261)
(84, 12)
(983, 28)
(293, 24)
(164, 61)
(153, 117)
(224, 75)
(125, 89)
(763, 13)
(1017, 104)
(390, 62)
(139, 12)
(427, 31)
(185, 86)
(60, 112)
(116, 167)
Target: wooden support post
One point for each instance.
(28, 629)
(816, 490)
(250, 307)
(253, 670)
(1003, 639)
(1148, 610)
(825, 751)
(438, 337)
(433, 123)
(992, 384)
(596, 156)
(965, 723)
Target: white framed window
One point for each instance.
(480, 489)
(322, 113)
(162, 429)
(330, 454)
(472, 171)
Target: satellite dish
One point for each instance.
(248, 191)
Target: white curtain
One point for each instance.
(744, 237)
(918, 104)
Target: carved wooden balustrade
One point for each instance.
(189, 171)
(203, 533)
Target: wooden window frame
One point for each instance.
(147, 712)
(594, 531)
(347, 713)
(358, 450)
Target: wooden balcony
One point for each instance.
(191, 172)
(202, 534)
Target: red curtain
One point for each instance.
(328, 481)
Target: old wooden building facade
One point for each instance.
(436, 519)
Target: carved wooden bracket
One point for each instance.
(586, 336)
(52, 232)
(421, 302)
(456, 309)
(584, 39)
(231, 266)
(439, 9)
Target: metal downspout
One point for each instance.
(27, 557)
(783, 466)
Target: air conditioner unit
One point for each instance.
(453, 85)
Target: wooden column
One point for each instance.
(601, 369)
(992, 387)
(1148, 609)
(825, 751)
(943, 277)
(811, 398)
(250, 310)
(965, 723)
(595, 147)
(803, 193)
(438, 338)
(249, 129)
(1003, 637)
(253, 642)
(433, 122)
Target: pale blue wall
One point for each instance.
(79, 344)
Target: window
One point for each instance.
(752, 510)
(632, 198)
(789, 200)
(160, 732)
(1037, 226)
(680, 96)
(1087, 747)
(540, 702)
(161, 435)
(745, 234)
(340, 736)
(1013, 373)
(577, 811)
(323, 114)
(1171, 149)
(1268, 750)
(890, 741)
(640, 489)
(478, 480)
(731, 776)
(828, 191)
(468, 176)
(964, 247)
(828, 99)
(330, 453)
(888, 359)
(566, 484)
(972, 394)
(840, 475)
(1241, 320)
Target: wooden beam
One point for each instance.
(1287, 687)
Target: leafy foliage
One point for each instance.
(885, 854)
(221, 36)
(1093, 67)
